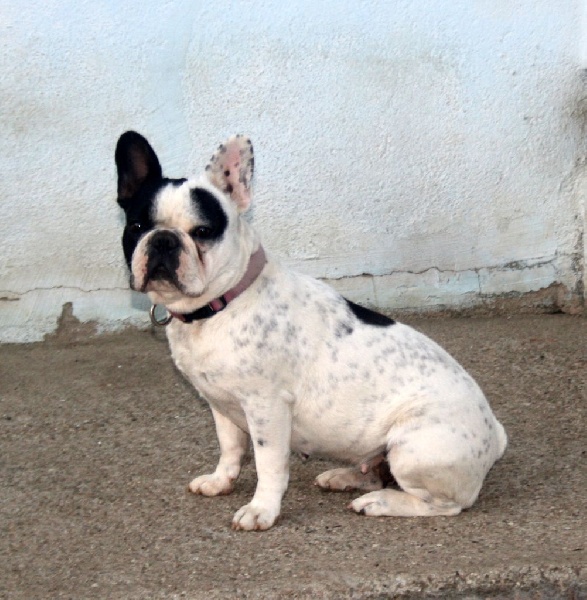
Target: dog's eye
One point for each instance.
(136, 228)
(202, 232)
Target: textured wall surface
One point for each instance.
(419, 155)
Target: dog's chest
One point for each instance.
(206, 359)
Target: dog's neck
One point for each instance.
(256, 264)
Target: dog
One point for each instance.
(286, 362)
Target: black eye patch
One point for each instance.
(201, 233)
(213, 218)
(138, 219)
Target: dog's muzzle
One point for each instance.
(163, 253)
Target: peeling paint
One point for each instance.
(440, 291)
(36, 313)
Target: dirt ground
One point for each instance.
(99, 437)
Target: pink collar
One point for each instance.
(256, 264)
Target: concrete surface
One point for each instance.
(422, 154)
(100, 436)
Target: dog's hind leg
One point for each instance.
(433, 481)
(426, 492)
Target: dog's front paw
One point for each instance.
(211, 485)
(252, 517)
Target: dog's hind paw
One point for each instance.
(345, 479)
(397, 503)
(211, 485)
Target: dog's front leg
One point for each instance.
(233, 443)
(269, 423)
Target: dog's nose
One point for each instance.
(163, 256)
(165, 242)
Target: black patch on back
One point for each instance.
(368, 316)
(208, 209)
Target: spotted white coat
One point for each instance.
(292, 366)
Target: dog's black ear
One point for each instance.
(136, 162)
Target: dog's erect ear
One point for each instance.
(231, 169)
(136, 162)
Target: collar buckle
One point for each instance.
(159, 322)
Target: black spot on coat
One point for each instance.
(343, 329)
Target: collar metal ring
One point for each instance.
(159, 322)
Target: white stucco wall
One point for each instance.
(419, 154)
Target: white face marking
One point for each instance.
(206, 269)
(174, 208)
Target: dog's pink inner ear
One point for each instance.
(231, 170)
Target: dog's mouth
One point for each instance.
(158, 272)
(161, 278)
(164, 266)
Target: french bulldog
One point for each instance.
(287, 363)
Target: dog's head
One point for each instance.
(185, 241)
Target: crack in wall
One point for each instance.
(515, 265)
(5, 295)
